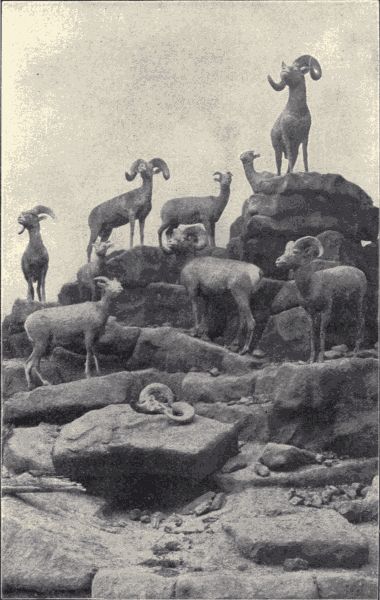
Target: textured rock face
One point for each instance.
(118, 439)
(110, 584)
(327, 405)
(323, 538)
(30, 448)
(287, 336)
(67, 401)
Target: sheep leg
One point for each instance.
(245, 318)
(313, 319)
(292, 152)
(278, 156)
(132, 224)
(208, 227)
(195, 307)
(33, 362)
(212, 227)
(204, 323)
(96, 363)
(325, 319)
(41, 285)
(30, 295)
(142, 225)
(360, 324)
(305, 157)
(160, 232)
(88, 342)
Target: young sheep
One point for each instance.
(254, 177)
(190, 210)
(35, 260)
(321, 283)
(205, 276)
(292, 127)
(89, 271)
(127, 208)
(88, 318)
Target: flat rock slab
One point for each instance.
(118, 440)
(240, 585)
(64, 402)
(323, 538)
(30, 448)
(112, 584)
(353, 586)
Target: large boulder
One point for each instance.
(14, 379)
(323, 538)
(64, 402)
(118, 441)
(331, 405)
(30, 448)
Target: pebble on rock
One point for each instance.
(261, 470)
(295, 564)
(135, 514)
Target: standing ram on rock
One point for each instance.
(191, 210)
(322, 283)
(207, 276)
(35, 260)
(129, 207)
(292, 127)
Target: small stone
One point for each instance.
(370, 353)
(202, 508)
(364, 491)
(214, 372)
(319, 458)
(332, 355)
(234, 464)
(295, 564)
(231, 402)
(326, 496)
(258, 353)
(334, 490)
(178, 522)
(376, 346)
(157, 518)
(342, 348)
(292, 492)
(208, 497)
(261, 470)
(135, 514)
(245, 400)
(218, 501)
(242, 567)
(351, 493)
(297, 500)
(316, 501)
(328, 462)
(195, 568)
(145, 519)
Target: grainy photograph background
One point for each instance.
(88, 87)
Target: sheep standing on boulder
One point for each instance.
(88, 318)
(89, 271)
(35, 260)
(321, 283)
(292, 127)
(127, 208)
(191, 210)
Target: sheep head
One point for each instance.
(186, 241)
(292, 75)
(101, 247)
(223, 178)
(148, 169)
(249, 156)
(30, 219)
(301, 252)
(112, 286)
(154, 398)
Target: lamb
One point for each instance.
(190, 210)
(88, 318)
(320, 284)
(292, 127)
(254, 178)
(129, 207)
(205, 276)
(89, 271)
(35, 260)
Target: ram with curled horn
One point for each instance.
(292, 127)
(35, 260)
(130, 207)
(323, 284)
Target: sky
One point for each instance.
(89, 87)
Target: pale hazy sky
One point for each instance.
(88, 87)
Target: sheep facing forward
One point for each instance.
(35, 260)
(191, 210)
(321, 283)
(292, 127)
(129, 207)
(88, 318)
(206, 276)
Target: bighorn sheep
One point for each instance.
(129, 207)
(89, 271)
(157, 398)
(190, 210)
(293, 125)
(321, 283)
(35, 260)
(253, 177)
(88, 318)
(206, 276)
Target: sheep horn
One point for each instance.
(218, 173)
(40, 209)
(180, 412)
(313, 65)
(276, 86)
(134, 169)
(101, 280)
(153, 396)
(199, 235)
(309, 242)
(162, 167)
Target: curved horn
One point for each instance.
(161, 165)
(157, 392)
(309, 61)
(40, 209)
(276, 86)
(180, 412)
(198, 236)
(134, 169)
(217, 175)
(101, 280)
(307, 242)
